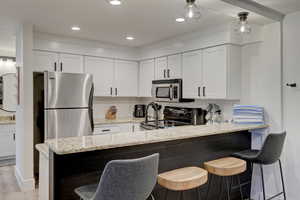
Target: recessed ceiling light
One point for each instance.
(130, 38)
(180, 19)
(115, 2)
(75, 28)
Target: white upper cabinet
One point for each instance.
(103, 74)
(174, 66)
(55, 62)
(146, 76)
(126, 79)
(161, 68)
(215, 75)
(45, 61)
(71, 63)
(192, 74)
(168, 67)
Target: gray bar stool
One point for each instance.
(124, 179)
(269, 154)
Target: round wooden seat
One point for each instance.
(183, 179)
(226, 166)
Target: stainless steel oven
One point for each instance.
(168, 91)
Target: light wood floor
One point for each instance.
(9, 189)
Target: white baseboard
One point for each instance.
(24, 184)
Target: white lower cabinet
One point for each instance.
(7, 141)
(116, 128)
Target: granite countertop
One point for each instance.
(118, 121)
(100, 142)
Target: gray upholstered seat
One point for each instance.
(124, 179)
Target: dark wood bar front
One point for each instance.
(73, 170)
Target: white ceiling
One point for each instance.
(148, 21)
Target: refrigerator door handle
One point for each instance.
(91, 107)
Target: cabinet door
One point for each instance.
(174, 66)
(103, 73)
(215, 72)
(146, 76)
(7, 141)
(192, 74)
(126, 79)
(45, 61)
(161, 68)
(71, 63)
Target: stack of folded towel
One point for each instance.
(248, 114)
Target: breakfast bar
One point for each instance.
(68, 163)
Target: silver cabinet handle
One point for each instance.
(168, 73)
(61, 66)
(199, 88)
(55, 66)
(164, 73)
(204, 92)
(116, 91)
(106, 130)
(111, 91)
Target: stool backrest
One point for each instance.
(128, 179)
(272, 148)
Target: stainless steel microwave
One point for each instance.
(169, 90)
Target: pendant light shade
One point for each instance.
(243, 26)
(192, 11)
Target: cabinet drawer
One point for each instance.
(100, 130)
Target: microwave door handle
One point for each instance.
(171, 92)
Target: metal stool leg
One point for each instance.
(240, 186)
(166, 194)
(221, 189)
(263, 181)
(282, 179)
(227, 187)
(210, 178)
(198, 193)
(181, 195)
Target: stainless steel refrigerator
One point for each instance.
(68, 104)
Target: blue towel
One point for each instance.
(248, 114)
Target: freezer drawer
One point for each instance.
(66, 90)
(62, 123)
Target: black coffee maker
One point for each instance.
(139, 111)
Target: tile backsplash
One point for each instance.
(125, 106)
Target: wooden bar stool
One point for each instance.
(226, 168)
(183, 179)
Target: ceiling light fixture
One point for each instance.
(243, 25)
(115, 2)
(130, 38)
(75, 28)
(180, 19)
(192, 11)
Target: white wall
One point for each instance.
(63, 44)
(261, 75)
(291, 103)
(24, 114)
(190, 41)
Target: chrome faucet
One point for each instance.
(156, 108)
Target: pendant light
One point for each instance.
(192, 11)
(243, 26)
